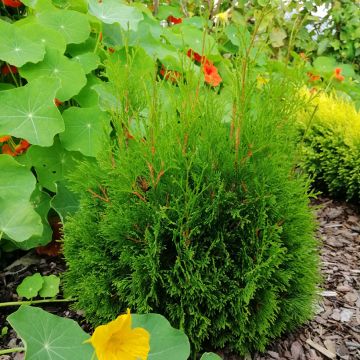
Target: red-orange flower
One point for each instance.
(22, 147)
(6, 69)
(212, 76)
(4, 138)
(195, 56)
(337, 74)
(12, 3)
(171, 75)
(174, 20)
(303, 56)
(313, 77)
(6, 149)
(57, 102)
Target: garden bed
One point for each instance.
(335, 329)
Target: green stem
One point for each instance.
(9, 351)
(30, 302)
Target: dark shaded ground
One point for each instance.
(335, 331)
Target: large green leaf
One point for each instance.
(16, 181)
(29, 112)
(56, 66)
(73, 25)
(18, 219)
(49, 337)
(88, 97)
(44, 35)
(51, 163)
(89, 61)
(41, 204)
(165, 341)
(210, 356)
(16, 48)
(64, 202)
(114, 11)
(85, 130)
(324, 64)
(198, 41)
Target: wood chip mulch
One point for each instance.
(333, 334)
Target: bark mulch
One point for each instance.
(333, 334)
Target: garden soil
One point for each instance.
(333, 334)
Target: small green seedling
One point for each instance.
(34, 285)
(30, 286)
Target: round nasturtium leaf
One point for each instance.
(56, 66)
(18, 219)
(30, 286)
(50, 286)
(64, 202)
(85, 130)
(88, 61)
(73, 25)
(16, 48)
(48, 37)
(41, 203)
(114, 11)
(29, 112)
(51, 163)
(49, 337)
(16, 181)
(210, 356)
(165, 341)
(324, 64)
(88, 97)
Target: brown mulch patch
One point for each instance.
(335, 331)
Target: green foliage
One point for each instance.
(165, 341)
(331, 146)
(36, 284)
(49, 337)
(194, 215)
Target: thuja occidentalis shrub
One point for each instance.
(195, 215)
(330, 138)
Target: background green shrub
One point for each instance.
(331, 146)
(196, 217)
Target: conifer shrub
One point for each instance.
(197, 216)
(331, 146)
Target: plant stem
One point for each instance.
(30, 302)
(9, 351)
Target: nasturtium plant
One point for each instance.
(73, 25)
(18, 219)
(113, 11)
(86, 130)
(30, 286)
(41, 204)
(51, 163)
(49, 337)
(165, 341)
(210, 356)
(70, 74)
(29, 111)
(50, 286)
(64, 202)
(16, 48)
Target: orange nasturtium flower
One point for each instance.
(117, 340)
(173, 20)
(337, 74)
(12, 3)
(313, 77)
(212, 76)
(4, 138)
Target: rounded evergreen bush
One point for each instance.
(199, 216)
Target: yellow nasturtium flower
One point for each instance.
(118, 341)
